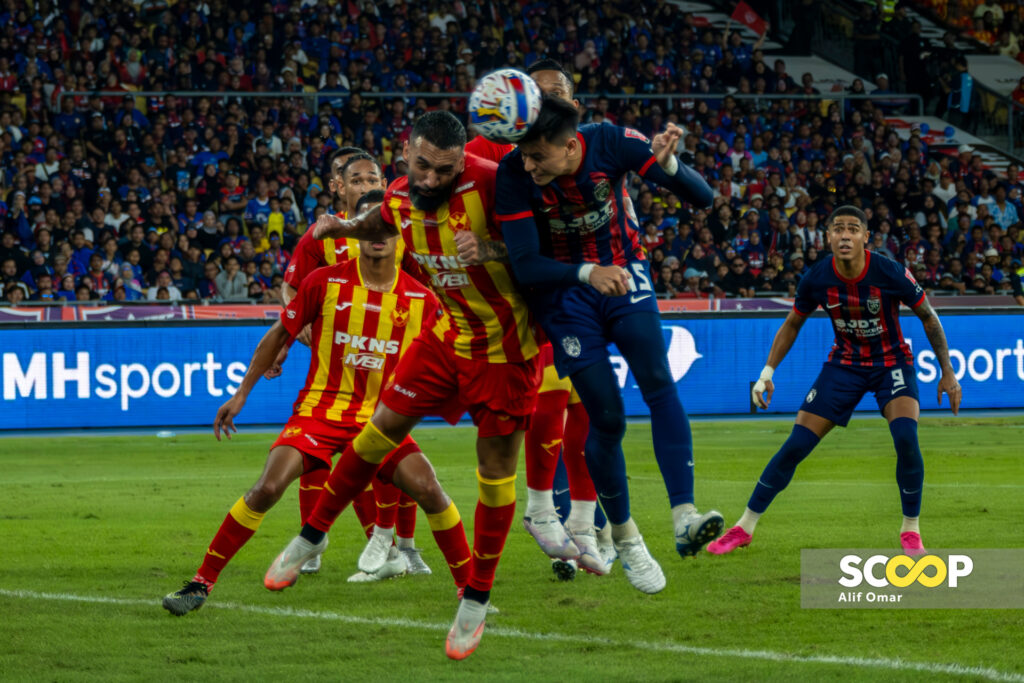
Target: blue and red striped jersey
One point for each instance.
(864, 310)
(581, 218)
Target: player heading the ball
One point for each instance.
(576, 249)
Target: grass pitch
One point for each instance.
(95, 530)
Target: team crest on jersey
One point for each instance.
(602, 190)
(811, 394)
(572, 347)
(458, 221)
(874, 305)
(292, 431)
(399, 316)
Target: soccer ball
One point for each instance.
(504, 105)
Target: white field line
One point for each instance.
(882, 663)
(247, 477)
(927, 484)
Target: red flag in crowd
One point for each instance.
(749, 18)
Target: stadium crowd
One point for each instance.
(162, 197)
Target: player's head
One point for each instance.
(848, 232)
(380, 248)
(552, 79)
(335, 165)
(360, 174)
(550, 148)
(436, 157)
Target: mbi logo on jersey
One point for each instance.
(446, 279)
(365, 361)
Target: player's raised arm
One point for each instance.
(660, 165)
(262, 359)
(368, 225)
(783, 342)
(937, 338)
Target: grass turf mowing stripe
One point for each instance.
(883, 663)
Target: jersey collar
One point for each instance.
(867, 264)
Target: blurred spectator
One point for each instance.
(231, 282)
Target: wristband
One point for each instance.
(584, 272)
(767, 373)
(673, 165)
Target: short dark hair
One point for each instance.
(371, 197)
(343, 152)
(440, 128)
(848, 210)
(360, 156)
(557, 120)
(548, 64)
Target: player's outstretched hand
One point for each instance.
(328, 225)
(762, 393)
(949, 385)
(225, 421)
(662, 140)
(275, 369)
(469, 246)
(664, 144)
(610, 280)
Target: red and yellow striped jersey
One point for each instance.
(358, 337)
(487, 318)
(310, 254)
(485, 149)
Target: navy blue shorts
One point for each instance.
(839, 388)
(577, 319)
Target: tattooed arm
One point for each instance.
(369, 225)
(475, 251)
(937, 338)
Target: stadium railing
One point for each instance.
(895, 100)
(999, 119)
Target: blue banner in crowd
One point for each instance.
(137, 376)
(179, 375)
(716, 360)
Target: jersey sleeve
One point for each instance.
(303, 262)
(904, 286)
(303, 309)
(514, 214)
(632, 150)
(805, 303)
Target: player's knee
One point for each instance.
(264, 494)
(428, 494)
(904, 436)
(661, 390)
(609, 423)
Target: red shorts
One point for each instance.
(431, 380)
(319, 440)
